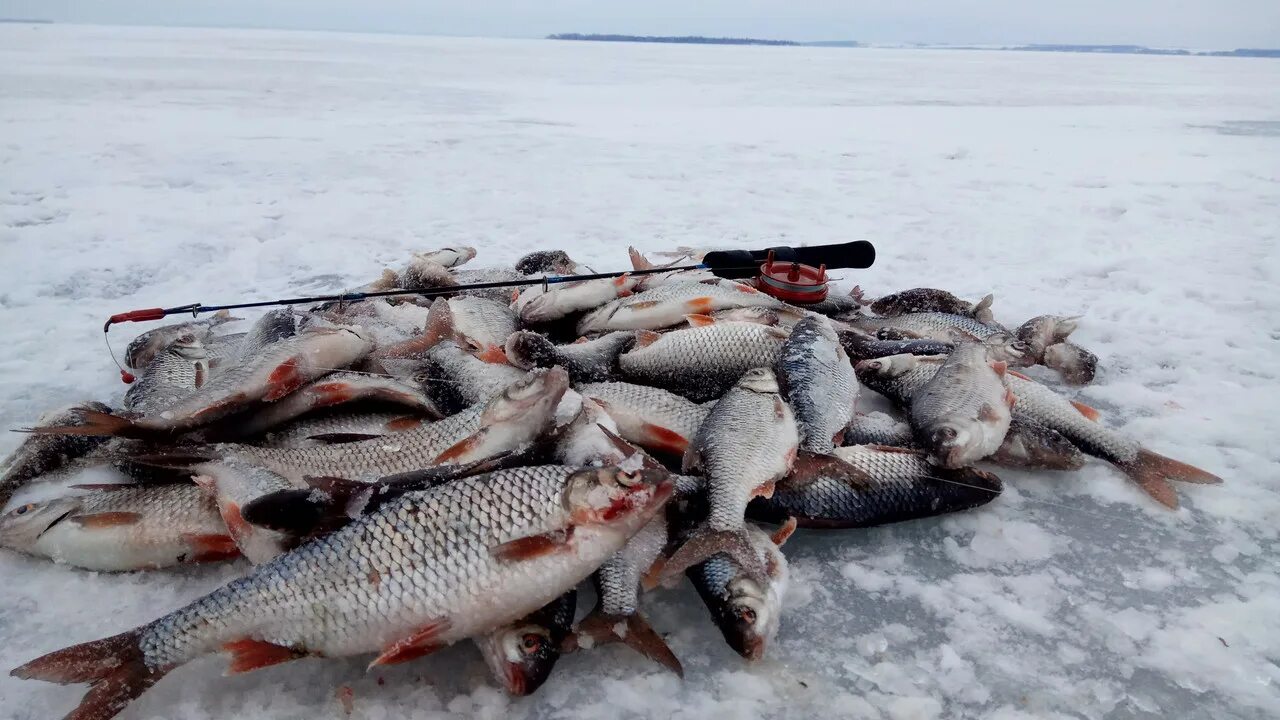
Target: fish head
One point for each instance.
(546, 261)
(530, 401)
(601, 496)
(22, 526)
(950, 442)
(1077, 365)
(1005, 347)
(527, 349)
(748, 617)
(189, 347)
(759, 380)
(886, 368)
(522, 655)
(541, 308)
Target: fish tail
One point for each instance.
(114, 666)
(638, 635)
(700, 546)
(1152, 472)
(638, 261)
(95, 422)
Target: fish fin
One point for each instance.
(412, 348)
(1150, 469)
(439, 324)
(297, 513)
(859, 295)
(743, 288)
(638, 635)
(107, 519)
(1009, 398)
(645, 338)
(338, 438)
(638, 261)
(407, 422)
(534, 546)
(1085, 410)
(704, 543)
(1018, 375)
(494, 355)
(643, 304)
(895, 449)
(423, 641)
(765, 490)
(212, 547)
(779, 408)
(462, 447)
(332, 392)
(663, 439)
(94, 422)
(234, 520)
(783, 533)
(115, 666)
(183, 458)
(699, 320)
(580, 341)
(252, 654)
(1000, 366)
(700, 305)
(284, 379)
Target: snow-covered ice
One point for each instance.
(145, 167)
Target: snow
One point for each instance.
(146, 167)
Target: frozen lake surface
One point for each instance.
(145, 167)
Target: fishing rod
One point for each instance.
(793, 274)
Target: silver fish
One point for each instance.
(589, 438)
(564, 299)
(478, 323)
(449, 257)
(963, 413)
(457, 379)
(650, 281)
(668, 305)
(1027, 443)
(335, 389)
(522, 654)
(278, 370)
(943, 327)
(616, 616)
(746, 607)
(1076, 365)
(121, 528)
(586, 360)
(703, 362)
(174, 373)
(747, 442)
(650, 417)
(542, 262)
(929, 300)
(382, 584)
(860, 345)
(39, 454)
(877, 428)
(1078, 423)
(870, 485)
(515, 418)
(818, 382)
(326, 427)
(147, 345)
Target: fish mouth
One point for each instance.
(514, 679)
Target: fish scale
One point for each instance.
(667, 304)
(866, 486)
(938, 326)
(649, 416)
(819, 382)
(172, 374)
(962, 414)
(702, 363)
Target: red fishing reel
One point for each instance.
(792, 282)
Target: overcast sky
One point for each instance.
(1186, 23)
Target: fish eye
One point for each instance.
(25, 509)
(628, 479)
(531, 643)
(747, 615)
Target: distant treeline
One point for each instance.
(687, 39)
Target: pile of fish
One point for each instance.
(403, 474)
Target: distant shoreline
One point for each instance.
(1035, 47)
(681, 39)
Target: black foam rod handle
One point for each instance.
(730, 263)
